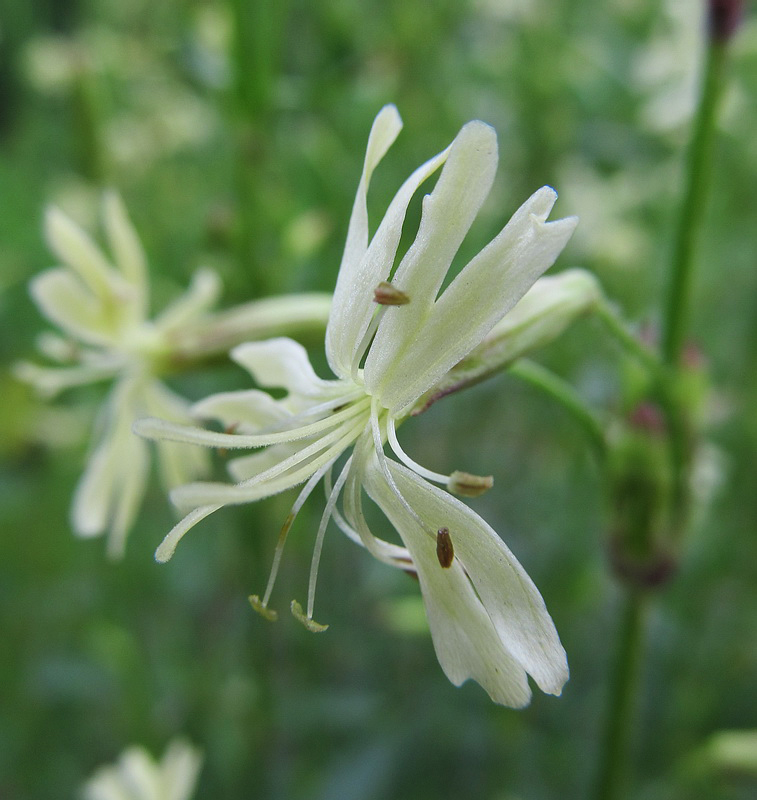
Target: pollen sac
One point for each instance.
(264, 611)
(445, 552)
(467, 485)
(308, 622)
(387, 295)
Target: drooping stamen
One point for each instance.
(382, 460)
(264, 611)
(437, 477)
(285, 528)
(467, 485)
(390, 554)
(386, 294)
(445, 552)
(325, 517)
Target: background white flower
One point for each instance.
(101, 308)
(488, 621)
(137, 776)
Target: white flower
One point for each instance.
(137, 776)
(487, 619)
(102, 310)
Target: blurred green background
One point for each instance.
(235, 132)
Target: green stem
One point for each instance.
(630, 343)
(563, 393)
(621, 706)
(678, 308)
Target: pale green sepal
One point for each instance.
(308, 622)
(264, 611)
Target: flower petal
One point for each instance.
(64, 300)
(126, 249)
(354, 305)
(448, 213)
(282, 364)
(243, 412)
(110, 491)
(465, 640)
(77, 251)
(484, 291)
(202, 294)
(511, 599)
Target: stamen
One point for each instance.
(437, 477)
(284, 532)
(467, 485)
(310, 624)
(445, 552)
(259, 608)
(386, 294)
(152, 428)
(325, 517)
(382, 460)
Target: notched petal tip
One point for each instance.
(264, 611)
(308, 622)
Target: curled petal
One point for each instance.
(511, 601)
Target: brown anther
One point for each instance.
(445, 552)
(387, 295)
(467, 485)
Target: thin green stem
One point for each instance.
(629, 341)
(678, 309)
(563, 393)
(622, 699)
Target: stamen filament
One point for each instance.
(407, 461)
(325, 517)
(152, 428)
(366, 340)
(285, 528)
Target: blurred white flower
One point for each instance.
(101, 308)
(137, 776)
(487, 619)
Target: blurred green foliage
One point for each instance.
(235, 132)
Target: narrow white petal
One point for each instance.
(202, 295)
(77, 251)
(245, 411)
(110, 491)
(64, 300)
(246, 467)
(448, 213)
(384, 131)
(354, 305)
(465, 640)
(180, 768)
(126, 248)
(509, 596)
(49, 381)
(484, 291)
(282, 364)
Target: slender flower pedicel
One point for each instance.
(389, 340)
